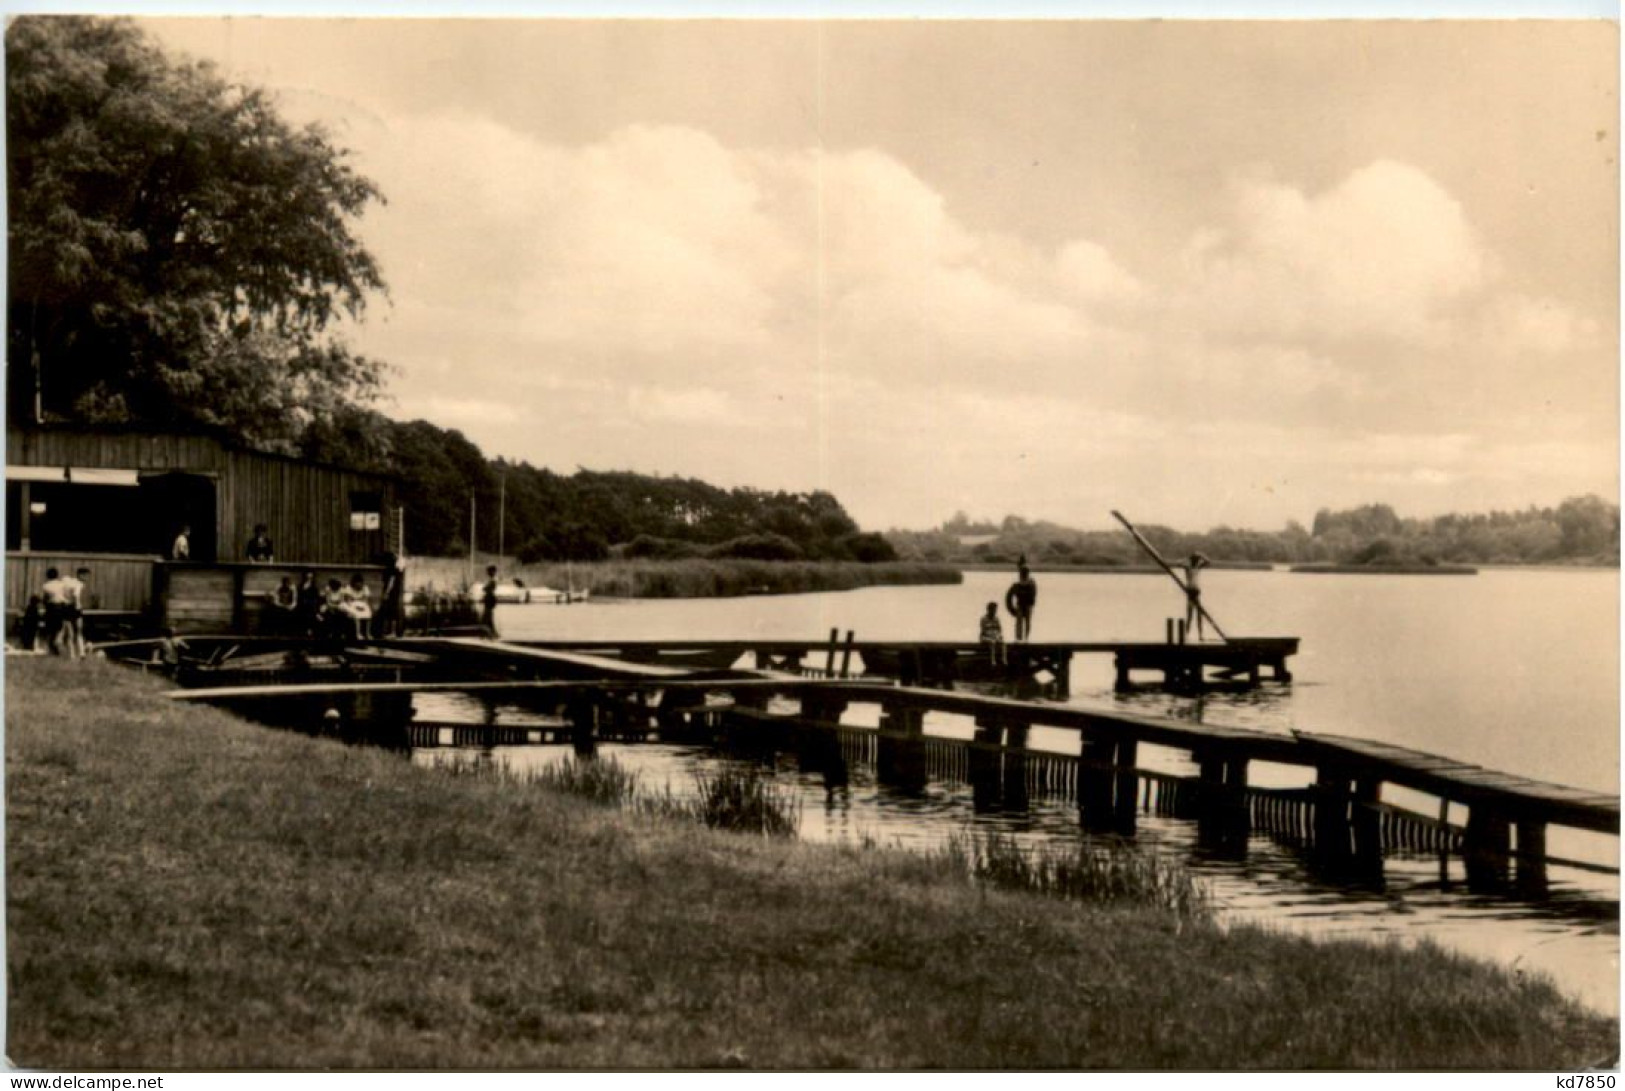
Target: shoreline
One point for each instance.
(690, 578)
(191, 890)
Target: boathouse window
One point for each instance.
(366, 510)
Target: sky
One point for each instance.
(1206, 273)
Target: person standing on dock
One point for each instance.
(1193, 593)
(309, 609)
(992, 636)
(488, 600)
(259, 549)
(282, 614)
(392, 600)
(1020, 600)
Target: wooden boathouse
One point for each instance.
(113, 499)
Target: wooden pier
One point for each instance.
(1340, 815)
(1182, 667)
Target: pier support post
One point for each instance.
(1487, 848)
(1222, 822)
(817, 742)
(984, 764)
(1015, 767)
(583, 715)
(1096, 777)
(1331, 815)
(1127, 787)
(1531, 874)
(1366, 823)
(900, 749)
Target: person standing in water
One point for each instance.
(1020, 600)
(1193, 593)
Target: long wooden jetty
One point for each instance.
(1238, 662)
(1340, 813)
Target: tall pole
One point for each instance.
(473, 516)
(1168, 568)
(502, 519)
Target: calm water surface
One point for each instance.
(1512, 669)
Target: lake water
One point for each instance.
(1513, 669)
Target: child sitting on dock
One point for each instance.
(993, 635)
(357, 602)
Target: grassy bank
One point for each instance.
(190, 891)
(693, 578)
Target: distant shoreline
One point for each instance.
(681, 579)
(1106, 569)
(1387, 569)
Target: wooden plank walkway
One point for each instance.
(1182, 666)
(557, 662)
(1349, 772)
(1514, 797)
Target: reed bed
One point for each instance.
(1107, 872)
(686, 578)
(604, 781)
(739, 798)
(734, 797)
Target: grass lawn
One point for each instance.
(190, 891)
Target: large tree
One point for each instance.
(177, 250)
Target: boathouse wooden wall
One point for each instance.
(306, 505)
(120, 582)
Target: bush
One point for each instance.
(649, 547)
(867, 548)
(758, 547)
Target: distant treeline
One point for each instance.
(591, 515)
(1580, 530)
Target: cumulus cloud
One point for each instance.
(1385, 253)
(657, 288)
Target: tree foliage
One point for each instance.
(177, 250)
(589, 515)
(1579, 530)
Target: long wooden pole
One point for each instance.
(1166, 567)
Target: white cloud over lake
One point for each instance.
(852, 314)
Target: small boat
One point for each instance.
(553, 597)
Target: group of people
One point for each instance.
(259, 549)
(338, 609)
(1019, 600)
(312, 607)
(1022, 597)
(56, 615)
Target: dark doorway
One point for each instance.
(171, 501)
